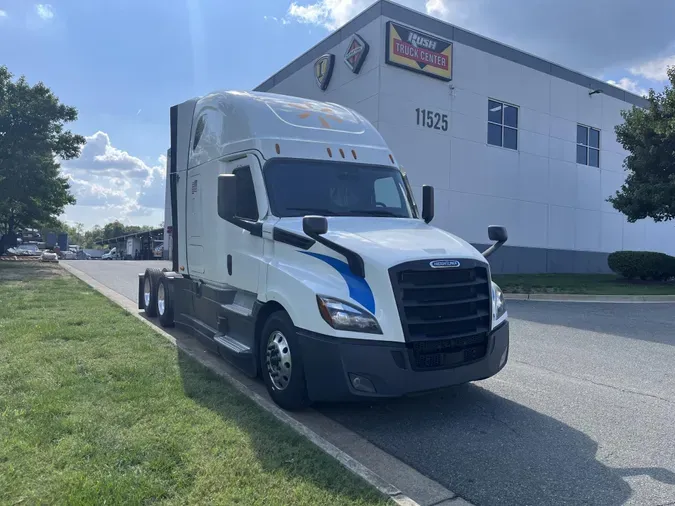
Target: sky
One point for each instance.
(123, 63)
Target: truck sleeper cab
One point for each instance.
(300, 255)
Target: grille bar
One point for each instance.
(415, 321)
(477, 298)
(412, 286)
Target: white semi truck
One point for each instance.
(300, 255)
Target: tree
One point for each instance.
(91, 236)
(649, 137)
(32, 136)
(113, 229)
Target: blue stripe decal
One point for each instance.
(359, 290)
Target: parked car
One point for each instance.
(94, 254)
(49, 256)
(24, 250)
(110, 255)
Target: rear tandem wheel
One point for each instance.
(150, 282)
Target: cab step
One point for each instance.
(232, 345)
(240, 355)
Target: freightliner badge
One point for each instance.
(419, 52)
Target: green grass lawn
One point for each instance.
(96, 408)
(592, 284)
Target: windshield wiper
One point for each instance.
(375, 212)
(316, 210)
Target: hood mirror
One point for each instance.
(314, 225)
(427, 203)
(499, 235)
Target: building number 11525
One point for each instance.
(431, 119)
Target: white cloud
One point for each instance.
(437, 8)
(454, 11)
(111, 184)
(283, 21)
(99, 155)
(3, 14)
(45, 11)
(654, 69)
(629, 85)
(98, 191)
(330, 14)
(152, 192)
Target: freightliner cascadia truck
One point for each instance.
(300, 255)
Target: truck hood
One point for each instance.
(390, 241)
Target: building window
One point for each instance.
(588, 146)
(502, 124)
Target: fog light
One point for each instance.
(362, 383)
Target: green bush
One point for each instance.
(642, 264)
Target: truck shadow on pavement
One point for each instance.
(490, 450)
(484, 447)
(646, 322)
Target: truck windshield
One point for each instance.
(300, 187)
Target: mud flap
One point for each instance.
(141, 299)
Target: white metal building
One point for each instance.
(504, 137)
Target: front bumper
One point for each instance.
(329, 362)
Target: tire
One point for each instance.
(150, 280)
(291, 393)
(165, 294)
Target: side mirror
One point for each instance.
(314, 225)
(497, 234)
(427, 203)
(227, 196)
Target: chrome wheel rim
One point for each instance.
(146, 292)
(278, 359)
(160, 299)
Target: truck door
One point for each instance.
(244, 249)
(194, 219)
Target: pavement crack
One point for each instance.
(494, 417)
(504, 423)
(600, 384)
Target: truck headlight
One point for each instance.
(498, 302)
(343, 316)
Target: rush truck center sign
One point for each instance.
(419, 52)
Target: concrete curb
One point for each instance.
(381, 468)
(571, 297)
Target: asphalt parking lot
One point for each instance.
(584, 412)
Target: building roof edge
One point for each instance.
(435, 26)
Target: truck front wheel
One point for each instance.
(281, 363)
